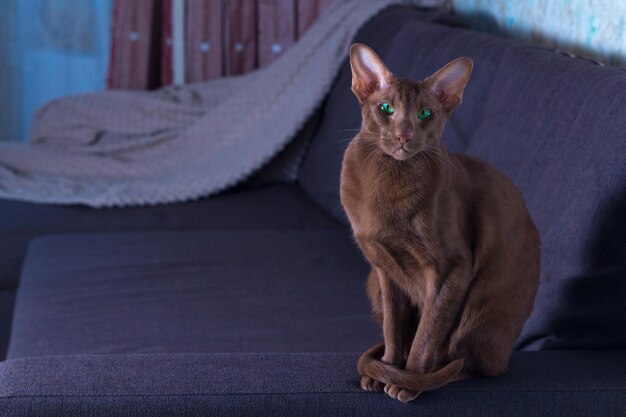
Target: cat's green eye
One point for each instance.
(386, 109)
(424, 113)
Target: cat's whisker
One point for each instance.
(437, 162)
(353, 137)
(365, 144)
(428, 163)
(358, 131)
(345, 140)
(369, 135)
(434, 159)
(366, 135)
(444, 157)
(371, 156)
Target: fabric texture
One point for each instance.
(216, 291)
(7, 301)
(285, 166)
(555, 126)
(557, 383)
(135, 45)
(276, 207)
(133, 148)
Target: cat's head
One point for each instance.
(405, 117)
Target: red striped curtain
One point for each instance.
(220, 37)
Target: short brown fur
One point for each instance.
(453, 250)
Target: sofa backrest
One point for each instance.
(556, 125)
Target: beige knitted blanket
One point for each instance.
(121, 148)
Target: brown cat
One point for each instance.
(454, 253)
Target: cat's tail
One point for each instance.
(370, 364)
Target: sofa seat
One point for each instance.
(239, 323)
(193, 292)
(546, 383)
(268, 207)
(275, 207)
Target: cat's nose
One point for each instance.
(402, 137)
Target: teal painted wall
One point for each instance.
(591, 28)
(49, 49)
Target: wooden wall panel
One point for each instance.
(221, 37)
(131, 44)
(166, 44)
(203, 40)
(240, 31)
(277, 28)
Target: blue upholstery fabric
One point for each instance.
(559, 383)
(271, 207)
(7, 300)
(219, 291)
(557, 128)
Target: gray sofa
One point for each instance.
(253, 302)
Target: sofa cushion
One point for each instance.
(218, 291)
(557, 128)
(271, 207)
(556, 383)
(563, 141)
(7, 300)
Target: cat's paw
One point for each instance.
(401, 394)
(407, 395)
(370, 384)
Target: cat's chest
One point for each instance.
(389, 217)
(377, 204)
(372, 214)
(398, 242)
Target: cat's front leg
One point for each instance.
(369, 383)
(393, 308)
(438, 316)
(396, 308)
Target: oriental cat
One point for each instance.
(453, 251)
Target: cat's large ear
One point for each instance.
(368, 72)
(448, 83)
